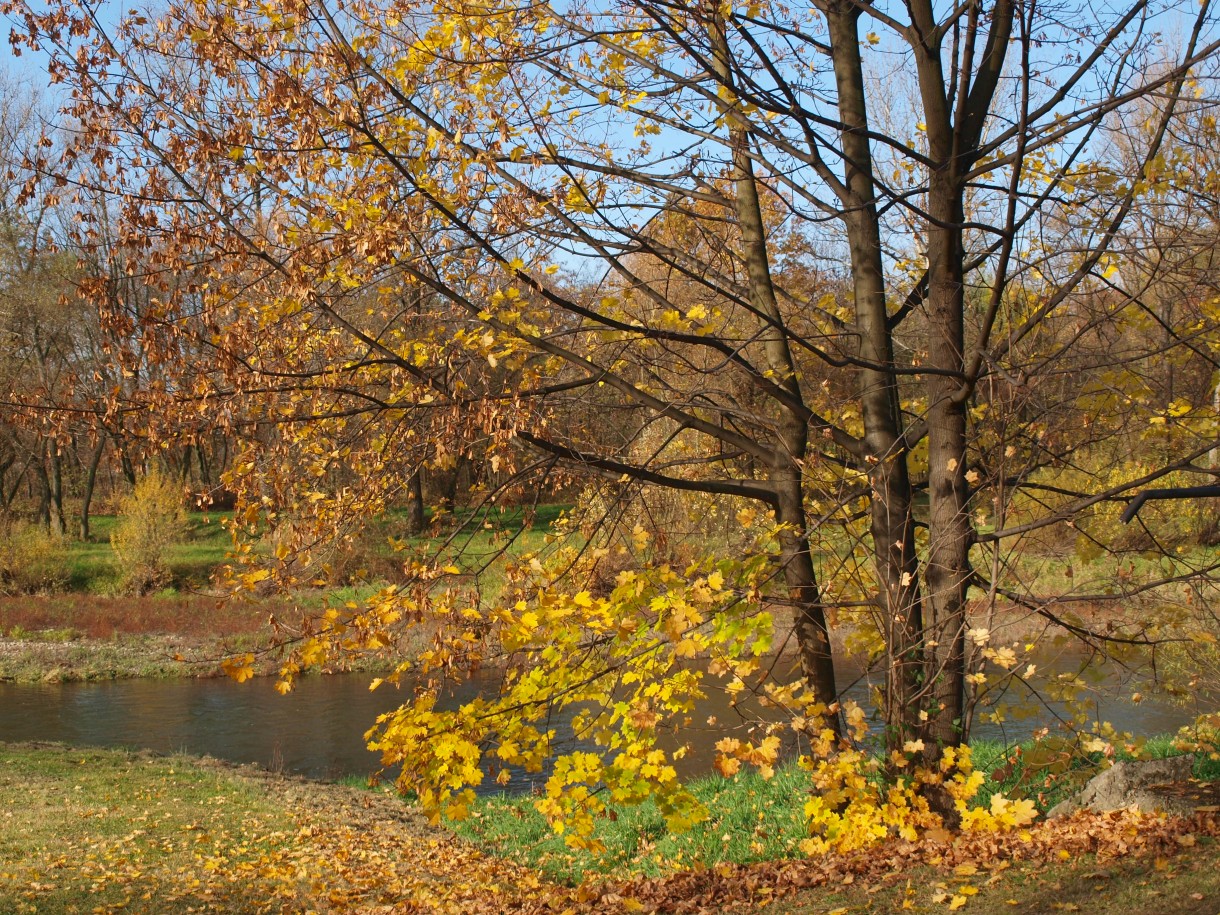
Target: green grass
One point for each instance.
(752, 819)
(1051, 770)
(92, 569)
(1061, 570)
(472, 541)
(92, 830)
(755, 819)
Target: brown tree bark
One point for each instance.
(95, 460)
(792, 433)
(892, 517)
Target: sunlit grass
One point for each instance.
(93, 830)
(756, 819)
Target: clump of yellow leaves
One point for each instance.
(856, 806)
(620, 668)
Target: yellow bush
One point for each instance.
(32, 559)
(856, 807)
(151, 521)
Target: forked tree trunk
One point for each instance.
(954, 128)
(892, 518)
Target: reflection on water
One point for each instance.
(318, 729)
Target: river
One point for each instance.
(317, 730)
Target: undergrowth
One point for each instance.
(755, 819)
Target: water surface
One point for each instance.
(318, 729)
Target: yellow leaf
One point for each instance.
(957, 902)
(240, 669)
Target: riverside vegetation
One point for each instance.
(206, 837)
(68, 613)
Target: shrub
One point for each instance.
(151, 520)
(32, 559)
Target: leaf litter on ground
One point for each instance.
(251, 841)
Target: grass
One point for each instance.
(139, 636)
(92, 830)
(88, 831)
(92, 569)
(473, 541)
(753, 819)
(100, 831)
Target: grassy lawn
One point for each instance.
(92, 569)
(472, 541)
(756, 820)
(88, 831)
(91, 831)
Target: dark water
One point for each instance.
(318, 730)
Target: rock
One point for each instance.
(1147, 784)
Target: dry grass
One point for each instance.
(105, 617)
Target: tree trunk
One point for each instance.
(892, 519)
(449, 495)
(7, 496)
(809, 617)
(416, 518)
(129, 468)
(5, 466)
(95, 460)
(954, 118)
(55, 492)
(792, 431)
(205, 467)
(43, 513)
(950, 531)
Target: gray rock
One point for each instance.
(1141, 783)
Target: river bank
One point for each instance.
(40, 658)
(69, 638)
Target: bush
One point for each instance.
(32, 559)
(151, 521)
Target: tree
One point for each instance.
(322, 171)
(46, 327)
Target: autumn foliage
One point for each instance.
(852, 277)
